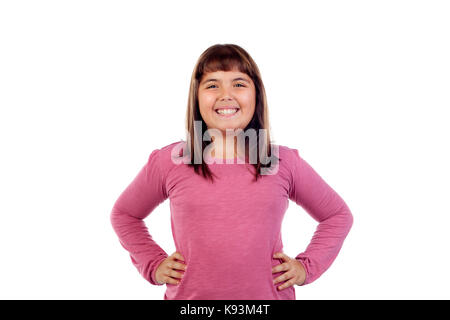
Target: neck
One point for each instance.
(229, 148)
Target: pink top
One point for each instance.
(228, 231)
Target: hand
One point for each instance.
(165, 273)
(295, 272)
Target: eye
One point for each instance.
(210, 86)
(240, 84)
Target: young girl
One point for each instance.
(228, 196)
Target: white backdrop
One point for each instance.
(89, 88)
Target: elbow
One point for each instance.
(348, 218)
(341, 220)
(114, 217)
(117, 217)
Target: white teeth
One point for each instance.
(227, 111)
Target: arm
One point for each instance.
(136, 202)
(317, 198)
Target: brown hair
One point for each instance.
(226, 57)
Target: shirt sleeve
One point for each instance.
(321, 201)
(135, 203)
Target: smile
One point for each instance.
(227, 113)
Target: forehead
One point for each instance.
(224, 75)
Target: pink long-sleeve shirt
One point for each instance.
(229, 231)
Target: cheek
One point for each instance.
(248, 101)
(205, 101)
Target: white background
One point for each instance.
(89, 88)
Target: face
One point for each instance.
(226, 99)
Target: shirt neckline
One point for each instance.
(221, 161)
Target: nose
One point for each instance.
(225, 94)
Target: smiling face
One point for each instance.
(226, 100)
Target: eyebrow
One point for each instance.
(235, 79)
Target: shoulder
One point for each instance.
(166, 150)
(167, 156)
(288, 155)
(290, 161)
(291, 165)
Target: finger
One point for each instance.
(176, 265)
(280, 267)
(281, 255)
(178, 256)
(179, 266)
(279, 279)
(171, 280)
(286, 284)
(283, 277)
(176, 275)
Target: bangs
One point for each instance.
(223, 60)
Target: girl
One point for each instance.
(228, 196)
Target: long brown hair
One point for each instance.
(227, 57)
